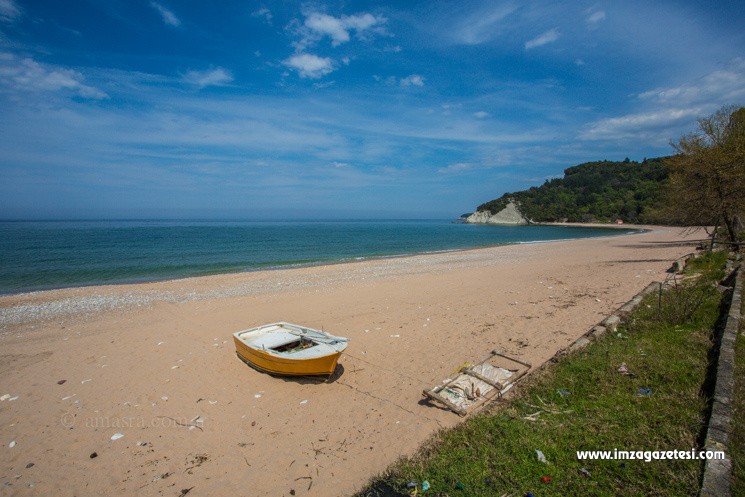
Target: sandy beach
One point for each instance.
(156, 363)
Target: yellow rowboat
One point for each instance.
(289, 349)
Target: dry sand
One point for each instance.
(147, 360)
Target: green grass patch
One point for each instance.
(495, 453)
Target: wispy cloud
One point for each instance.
(212, 77)
(549, 36)
(724, 85)
(9, 11)
(643, 124)
(671, 108)
(168, 16)
(595, 16)
(458, 167)
(412, 80)
(264, 13)
(481, 25)
(21, 75)
(310, 66)
(481, 114)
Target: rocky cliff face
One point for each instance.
(509, 215)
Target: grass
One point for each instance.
(495, 453)
(737, 442)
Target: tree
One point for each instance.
(707, 174)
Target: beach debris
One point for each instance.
(459, 486)
(425, 486)
(61, 382)
(5, 397)
(412, 484)
(164, 398)
(161, 343)
(30, 465)
(185, 491)
(546, 479)
(585, 472)
(303, 402)
(644, 392)
(563, 393)
(12, 444)
(624, 370)
(116, 436)
(253, 423)
(257, 396)
(395, 336)
(86, 381)
(13, 398)
(212, 402)
(174, 367)
(540, 456)
(93, 455)
(597, 300)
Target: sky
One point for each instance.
(132, 109)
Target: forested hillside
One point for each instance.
(595, 191)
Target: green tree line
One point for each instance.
(702, 184)
(601, 191)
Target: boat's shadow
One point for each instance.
(314, 380)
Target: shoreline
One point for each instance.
(163, 351)
(635, 229)
(90, 299)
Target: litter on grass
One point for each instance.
(540, 456)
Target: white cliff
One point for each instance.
(509, 215)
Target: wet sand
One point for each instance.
(156, 363)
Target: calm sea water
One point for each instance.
(56, 254)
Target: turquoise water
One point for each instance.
(57, 254)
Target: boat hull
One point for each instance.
(289, 349)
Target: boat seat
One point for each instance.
(272, 340)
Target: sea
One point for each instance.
(42, 255)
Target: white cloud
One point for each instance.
(310, 66)
(9, 11)
(595, 17)
(21, 75)
(412, 80)
(168, 16)
(213, 77)
(544, 39)
(318, 25)
(639, 124)
(456, 168)
(721, 86)
(481, 114)
(482, 25)
(265, 13)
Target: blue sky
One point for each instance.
(256, 110)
